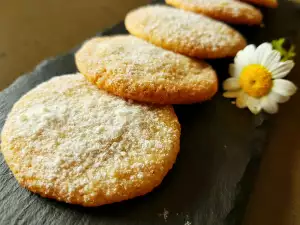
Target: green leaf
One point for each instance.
(285, 54)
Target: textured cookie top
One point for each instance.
(134, 69)
(68, 140)
(232, 11)
(184, 32)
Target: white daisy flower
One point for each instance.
(256, 79)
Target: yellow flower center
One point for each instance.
(256, 80)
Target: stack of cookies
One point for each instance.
(109, 133)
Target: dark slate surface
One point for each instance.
(213, 177)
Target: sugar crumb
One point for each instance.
(165, 214)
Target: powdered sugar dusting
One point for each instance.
(232, 9)
(183, 29)
(221, 4)
(133, 61)
(68, 134)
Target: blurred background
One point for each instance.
(33, 30)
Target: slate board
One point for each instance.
(214, 174)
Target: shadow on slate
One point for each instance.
(213, 177)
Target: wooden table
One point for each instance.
(33, 30)
(276, 198)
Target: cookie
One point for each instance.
(184, 32)
(231, 11)
(267, 3)
(135, 69)
(70, 141)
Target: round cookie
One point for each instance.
(70, 141)
(231, 11)
(267, 3)
(134, 69)
(184, 32)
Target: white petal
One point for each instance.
(241, 62)
(231, 84)
(249, 50)
(231, 94)
(254, 105)
(241, 101)
(284, 87)
(271, 60)
(245, 57)
(235, 70)
(265, 47)
(262, 51)
(269, 105)
(282, 69)
(278, 98)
